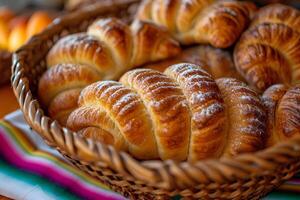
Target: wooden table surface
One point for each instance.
(8, 102)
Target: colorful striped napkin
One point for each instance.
(24, 149)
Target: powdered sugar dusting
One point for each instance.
(208, 112)
(200, 98)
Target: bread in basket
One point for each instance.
(244, 176)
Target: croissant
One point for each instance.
(217, 62)
(180, 114)
(283, 108)
(60, 86)
(16, 31)
(37, 22)
(269, 51)
(109, 48)
(17, 36)
(218, 23)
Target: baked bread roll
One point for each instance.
(283, 108)
(4, 34)
(218, 23)
(21, 28)
(60, 86)
(217, 62)
(111, 47)
(37, 22)
(5, 16)
(269, 51)
(17, 36)
(180, 114)
(107, 50)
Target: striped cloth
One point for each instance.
(30, 153)
(23, 148)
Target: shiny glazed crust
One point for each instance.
(218, 23)
(108, 49)
(180, 114)
(269, 51)
(283, 107)
(112, 47)
(59, 85)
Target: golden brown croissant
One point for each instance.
(60, 87)
(108, 49)
(180, 114)
(217, 62)
(269, 51)
(283, 107)
(218, 23)
(111, 47)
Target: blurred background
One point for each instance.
(18, 5)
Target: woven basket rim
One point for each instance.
(162, 174)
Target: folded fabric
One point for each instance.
(25, 149)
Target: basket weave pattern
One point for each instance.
(247, 176)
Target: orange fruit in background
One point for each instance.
(37, 22)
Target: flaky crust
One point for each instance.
(217, 62)
(63, 104)
(246, 117)
(218, 23)
(83, 49)
(167, 108)
(112, 47)
(283, 107)
(117, 38)
(278, 14)
(58, 88)
(66, 76)
(269, 51)
(208, 134)
(108, 49)
(180, 114)
(151, 43)
(124, 114)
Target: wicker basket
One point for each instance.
(248, 176)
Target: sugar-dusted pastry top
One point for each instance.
(107, 50)
(215, 22)
(180, 114)
(269, 51)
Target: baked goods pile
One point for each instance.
(218, 23)
(179, 114)
(15, 30)
(183, 102)
(107, 50)
(268, 52)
